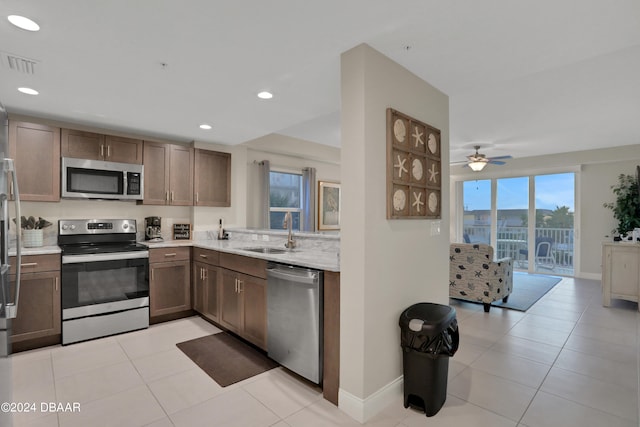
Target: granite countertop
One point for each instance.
(300, 257)
(320, 260)
(41, 250)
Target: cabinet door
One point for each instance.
(123, 150)
(211, 293)
(199, 287)
(181, 176)
(156, 173)
(36, 147)
(39, 312)
(212, 178)
(169, 288)
(625, 271)
(254, 295)
(230, 314)
(82, 145)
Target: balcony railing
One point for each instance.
(513, 239)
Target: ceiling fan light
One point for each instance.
(477, 166)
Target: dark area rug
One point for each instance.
(225, 358)
(527, 289)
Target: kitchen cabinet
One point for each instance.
(620, 272)
(243, 297)
(168, 174)
(205, 283)
(38, 319)
(169, 282)
(95, 146)
(212, 178)
(331, 328)
(36, 151)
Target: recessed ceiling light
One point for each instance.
(205, 126)
(23, 22)
(265, 95)
(28, 90)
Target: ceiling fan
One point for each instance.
(478, 161)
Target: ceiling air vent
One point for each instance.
(18, 63)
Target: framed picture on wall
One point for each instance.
(328, 205)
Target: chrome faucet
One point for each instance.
(288, 223)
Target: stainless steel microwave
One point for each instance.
(96, 179)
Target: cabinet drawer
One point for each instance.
(169, 254)
(206, 256)
(243, 264)
(36, 263)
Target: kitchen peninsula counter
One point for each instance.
(303, 257)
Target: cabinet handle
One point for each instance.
(29, 264)
(240, 286)
(203, 256)
(166, 196)
(101, 150)
(172, 199)
(197, 198)
(108, 151)
(236, 289)
(170, 255)
(152, 270)
(204, 274)
(56, 284)
(10, 186)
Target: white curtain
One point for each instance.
(309, 199)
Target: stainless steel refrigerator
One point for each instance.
(9, 295)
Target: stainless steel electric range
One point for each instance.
(105, 278)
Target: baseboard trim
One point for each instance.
(591, 276)
(363, 410)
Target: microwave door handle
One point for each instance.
(126, 183)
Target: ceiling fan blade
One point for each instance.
(497, 162)
(500, 157)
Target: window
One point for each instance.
(285, 195)
(516, 214)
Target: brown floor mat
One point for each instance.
(225, 358)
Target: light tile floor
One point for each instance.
(568, 361)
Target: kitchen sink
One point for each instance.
(267, 250)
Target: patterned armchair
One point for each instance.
(475, 276)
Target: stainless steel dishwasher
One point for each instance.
(294, 319)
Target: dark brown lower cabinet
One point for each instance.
(38, 321)
(169, 281)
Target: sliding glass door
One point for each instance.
(554, 225)
(527, 218)
(512, 212)
(477, 211)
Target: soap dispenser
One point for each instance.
(220, 231)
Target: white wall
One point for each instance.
(285, 153)
(598, 170)
(386, 265)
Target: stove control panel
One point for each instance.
(96, 226)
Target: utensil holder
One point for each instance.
(32, 238)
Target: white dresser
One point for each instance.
(620, 272)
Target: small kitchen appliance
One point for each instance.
(96, 179)
(152, 228)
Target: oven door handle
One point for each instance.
(112, 256)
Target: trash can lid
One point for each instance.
(427, 317)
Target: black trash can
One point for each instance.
(429, 336)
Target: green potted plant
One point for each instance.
(626, 208)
